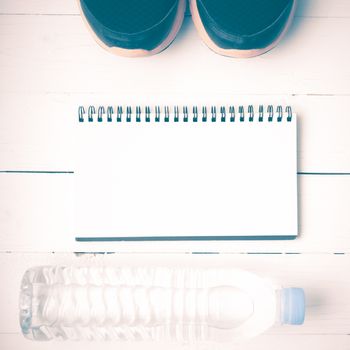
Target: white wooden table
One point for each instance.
(49, 65)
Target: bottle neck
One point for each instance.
(290, 308)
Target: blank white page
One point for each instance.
(186, 179)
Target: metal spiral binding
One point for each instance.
(185, 114)
(119, 114)
(232, 114)
(148, 114)
(289, 112)
(138, 114)
(223, 114)
(270, 113)
(279, 113)
(81, 112)
(100, 113)
(261, 113)
(251, 113)
(204, 114)
(213, 114)
(167, 114)
(91, 113)
(157, 114)
(110, 112)
(241, 113)
(195, 114)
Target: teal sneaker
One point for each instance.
(242, 28)
(133, 27)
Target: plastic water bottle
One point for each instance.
(187, 305)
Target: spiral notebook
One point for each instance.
(185, 173)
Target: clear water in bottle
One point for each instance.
(187, 305)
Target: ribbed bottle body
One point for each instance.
(120, 303)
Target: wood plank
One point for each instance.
(270, 342)
(37, 214)
(327, 302)
(306, 8)
(37, 133)
(36, 7)
(65, 59)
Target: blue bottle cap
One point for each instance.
(292, 306)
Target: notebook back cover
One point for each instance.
(186, 180)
